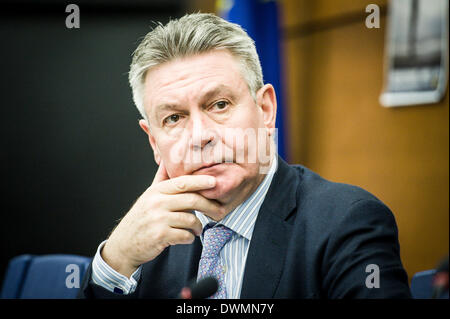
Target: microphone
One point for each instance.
(440, 279)
(202, 289)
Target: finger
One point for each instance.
(185, 221)
(177, 236)
(195, 201)
(187, 183)
(161, 174)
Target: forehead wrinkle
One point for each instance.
(214, 88)
(187, 77)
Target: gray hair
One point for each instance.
(193, 34)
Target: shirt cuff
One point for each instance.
(103, 275)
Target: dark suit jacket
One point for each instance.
(312, 239)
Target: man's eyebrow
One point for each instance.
(204, 99)
(216, 91)
(165, 107)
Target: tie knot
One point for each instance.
(214, 239)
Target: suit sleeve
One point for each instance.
(100, 275)
(89, 290)
(362, 258)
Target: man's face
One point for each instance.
(204, 121)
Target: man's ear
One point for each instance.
(267, 101)
(145, 127)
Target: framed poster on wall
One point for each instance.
(416, 53)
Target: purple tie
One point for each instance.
(214, 239)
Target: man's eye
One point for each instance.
(220, 105)
(172, 119)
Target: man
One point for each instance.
(222, 203)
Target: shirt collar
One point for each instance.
(242, 219)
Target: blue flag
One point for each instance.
(261, 21)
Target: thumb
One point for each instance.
(161, 174)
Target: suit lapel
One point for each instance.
(193, 258)
(182, 266)
(268, 246)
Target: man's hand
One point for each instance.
(160, 217)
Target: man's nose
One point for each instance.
(202, 133)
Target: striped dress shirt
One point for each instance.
(233, 255)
